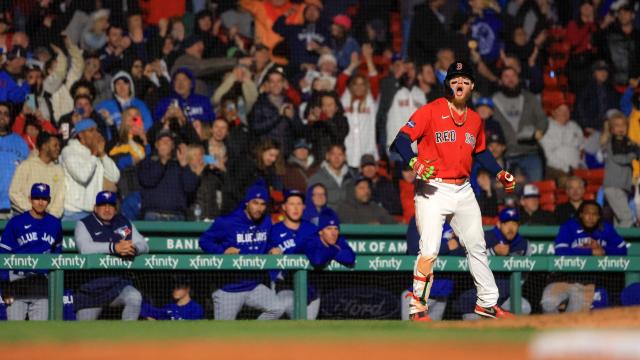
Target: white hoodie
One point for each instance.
(361, 138)
(404, 104)
(84, 176)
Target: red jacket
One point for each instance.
(19, 128)
(406, 199)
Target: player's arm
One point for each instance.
(562, 244)
(319, 254)
(615, 243)
(210, 240)
(410, 132)
(487, 161)
(345, 256)
(85, 243)
(138, 241)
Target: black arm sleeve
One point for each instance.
(487, 161)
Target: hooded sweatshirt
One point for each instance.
(116, 105)
(194, 106)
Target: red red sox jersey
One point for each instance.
(439, 139)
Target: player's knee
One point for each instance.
(549, 305)
(277, 308)
(133, 297)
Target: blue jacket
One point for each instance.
(237, 230)
(320, 255)
(343, 54)
(296, 37)
(194, 106)
(165, 187)
(11, 91)
(25, 234)
(289, 241)
(172, 311)
(572, 236)
(310, 213)
(519, 246)
(12, 151)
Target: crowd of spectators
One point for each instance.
(180, 106)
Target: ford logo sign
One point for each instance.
(360, 303)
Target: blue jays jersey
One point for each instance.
(190, 311)
(519, 246)
(572, 239)
(25, 234)
(237, 230)
(288, 240)
(320, 255)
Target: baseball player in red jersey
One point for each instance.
(450, 136)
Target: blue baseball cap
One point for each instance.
(328, 218)
(258, 190)
(630, 295)
(40, 191)
(484, 101)
(106, 197)
(509, 214)
(82, 125)
(600, 299)
(294, 192)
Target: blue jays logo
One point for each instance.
(511, 212)
(123, 231)
(106, 195)
(411, 124)
(42, 187)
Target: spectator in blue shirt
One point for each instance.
(13, 85)
(13, 150)
(585, 235)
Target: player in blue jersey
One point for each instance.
(288, 237)
(183, 306)
(32, 232)
(327, 244)
(244, 231)
(505, 239)
(584, 235)
(106, 231)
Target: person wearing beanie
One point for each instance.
(327, 244)
(244, 231)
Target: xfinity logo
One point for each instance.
(385, 264)
(161, 262)
(574, 263)
(286, 262)
(613, 264)
(206, 262)
(440, 264)
(114, 262)
(249, 262)
(75, 262)
(519, 264)
(23, 262)
(463, 264)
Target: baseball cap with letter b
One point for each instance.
(40, 191)
(106, 197)
(459, 68)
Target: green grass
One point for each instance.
(59, 331)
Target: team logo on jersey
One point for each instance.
(410, 124)
(470, 139)
(445, 136)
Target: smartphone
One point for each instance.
(210, 160)
(31, 102)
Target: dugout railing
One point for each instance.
(299, 265)
(379, 248)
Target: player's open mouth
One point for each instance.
(459, 91)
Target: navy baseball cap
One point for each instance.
(293, 192)
(40, 191)
(328, 218)
(106, 197)
(301, 144)
(509, 214)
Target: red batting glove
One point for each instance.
(507, 180)
(423, 168)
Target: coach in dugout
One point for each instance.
(107, 232)
(32, 232)
(244, 231)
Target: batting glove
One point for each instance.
(507, 180)
(423, 168)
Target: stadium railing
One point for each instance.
(174, 247)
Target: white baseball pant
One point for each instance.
(36, 308)
(227, 305)
(434, 204)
